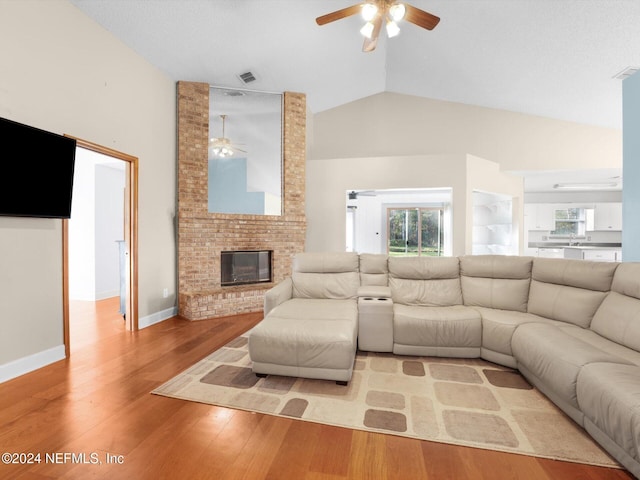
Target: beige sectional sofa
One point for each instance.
(571, 327)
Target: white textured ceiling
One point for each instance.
(553, 58)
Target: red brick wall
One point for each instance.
(203, 235)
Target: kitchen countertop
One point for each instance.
(566, 245)
(591, 247)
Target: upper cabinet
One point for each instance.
(539, 216)
(607, 217)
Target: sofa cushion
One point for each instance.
(326, 262)
(449, 331)
(618, 318)
(574, 273)
(626, 280)
(567, 304)
(589, 336)
(374, 269)
(609, 396)
(326, 275)
(308, 333)
(425, 281)
(496, 281)
(569, 290)
(554, 356)
(498, 327)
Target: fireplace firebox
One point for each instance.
(245, 267)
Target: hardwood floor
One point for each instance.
(97, 403)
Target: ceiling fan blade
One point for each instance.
(338, 14)
(420, 17)
(371, 43)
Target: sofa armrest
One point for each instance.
(377, 291)
(276, 295)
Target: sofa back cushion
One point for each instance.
(374, 270)
(325, 275)
(427, 281)
(618, 318)
(496, 281)
(569, 290)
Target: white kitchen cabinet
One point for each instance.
(539, 216)
(592, 253)
(599, 255)
(608, 217)
(550, 252)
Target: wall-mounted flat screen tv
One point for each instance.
(36, 173)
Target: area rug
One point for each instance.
(466, 402)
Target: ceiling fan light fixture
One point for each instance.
(392, 29)
(221, 147)
(367, 29)
(397, 11)
(369, 11)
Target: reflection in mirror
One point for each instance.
(245, 152)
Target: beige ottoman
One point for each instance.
(311, 338)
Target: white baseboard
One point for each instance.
(30, 363)
(18, 367)
(144, 322)
(107, 294)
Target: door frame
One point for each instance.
(130, 238)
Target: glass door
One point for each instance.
(432, 233)
(415, 231)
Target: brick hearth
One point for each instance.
(203, 235)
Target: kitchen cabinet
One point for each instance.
(539, 216)
(592, 253)
(550, 252)
(607, 217)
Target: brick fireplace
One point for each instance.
(203, 236)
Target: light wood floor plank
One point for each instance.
(99, 401)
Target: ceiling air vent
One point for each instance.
(247, 77)
(627, 72)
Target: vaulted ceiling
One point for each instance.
(553, 58)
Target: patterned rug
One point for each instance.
(458, 401)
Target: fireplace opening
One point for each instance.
(245, 267)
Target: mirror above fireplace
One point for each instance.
(245, 152)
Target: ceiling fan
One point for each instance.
(353, 195)
(375, 12)
(222, 146)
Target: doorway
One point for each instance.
(127, 309)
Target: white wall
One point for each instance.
(62, 72)
(328, 180)
(109, 215)
(391, 124)
(82, 245)
(97, 222)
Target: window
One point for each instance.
(569, 222)
(415, 231)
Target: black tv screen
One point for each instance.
(36, 172)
